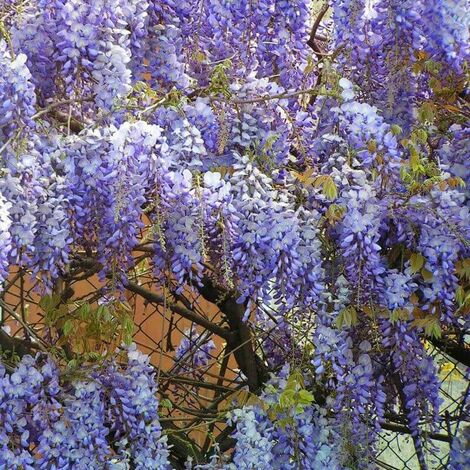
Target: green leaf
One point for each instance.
(94, 356)
(463, 268)
(421, 135)
(306, 397)
(417, 262)
(434, 331)
(435, 84)
(84, 312)
(404, 175)
(426, 113)
(286, 398)
(432, 66)
(199, 56)
(399, 314)
(329, 189)
(295, 379)
(347, 317)
(460, 295)
(427, 275)
(166, 403)
(414, 158)
(128, 329)
(68, 327)
(49, 302)
(335, 213)
(431, 326)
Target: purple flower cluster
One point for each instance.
(400, 21)
(17, 96)
(453, 153)
(446, 27)
(85, 48)
(39, 230)
(253, 432)
(444, 229)
(183, 130)
(416, 373)
(74, 422)
(107, 175)
(133, 413)
(194, 351)
(378, 41)
(5, 237)
(459, 457)
(303, 437)
(360, 229)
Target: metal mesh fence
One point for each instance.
(396, 446)
(194, 398)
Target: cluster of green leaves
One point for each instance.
(347, 317)
(86, 332)
(325, 182)
(430, 325)
(435, 115)
(219, 82)
(9, 358)
(442, 107)
(462, 294)
(292, 400)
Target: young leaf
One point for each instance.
(347, 317)
(417, 262)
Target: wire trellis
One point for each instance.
(194, 399)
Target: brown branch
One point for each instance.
(311, 40)
(316, 24)
(280, 96)
(57, 104)
(18, 346)
(197, 383)
(453, 349)
(181, 447)
(406, 430)
(75, 125)
(241, 344)
(41, 344)
(179, 309)
(225, 439)
(223, 370)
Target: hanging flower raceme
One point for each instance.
(398, 28)
(90, 59)
(164, 47)
(178, 220)
(352, 34)
(5, 237)
(107, 175)
(302, 435)
(23, 187)
(446, 27)
(194, 351)
(265, 246)
(441, 243)
(453, 153)
(17, 96)
(360, 233)
(132, 165)
(72, 422)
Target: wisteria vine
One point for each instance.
(318, 182)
